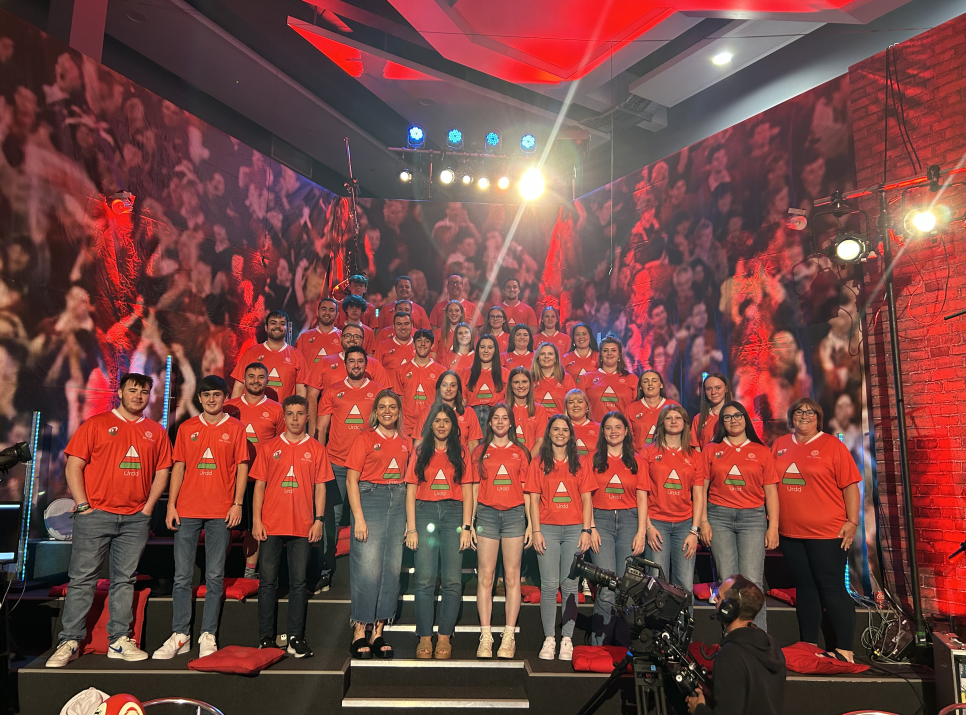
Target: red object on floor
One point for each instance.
(237, 588)
(811, 660)
(785, 595)
(103, 584)
(237, 660)
(531, 594)
(99, 615)
(598, 658)
(342, 545)
(704, 654)
(703, 591)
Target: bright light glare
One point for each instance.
(447, 176)
(924, 221)
(467, 179)
(531, 184)
(503, 183)
(483, 183)
(405, 175)
(848, 250)
(722, 58)
(430, 528)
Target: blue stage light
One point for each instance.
(454, 138)
(416, 136)
(492, 141)
(528, 143)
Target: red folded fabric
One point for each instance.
(703, 591)
(785, 595)
(531, 594)
(103, 584)
(236, 588)
(238, 660)
(342, 545)
(99, 615)
(811, 660)
(598, 658)
(704, 654)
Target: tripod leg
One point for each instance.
(597, 699)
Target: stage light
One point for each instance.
(924, 221)
(531, 184)
(122, 202)
(528, 143)
(503, 183)
(848, 248)
(467, 179)
(416, 136)
(454, 138)
(483, 183)
(492, 142)
(447, 176)
(932, 174)
(405, 176)
(796, 219)
(722, 58)
(927, 221)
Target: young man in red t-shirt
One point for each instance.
(353, 308)
(262, 419)
(517, 311)
(398, 349)
(324, 339)
(286, 366)
(117, 469)
(290, 474)
(404, 292)
(207, 489)
(417, 380)
(358, 286)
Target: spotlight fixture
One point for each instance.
(503, 183)
(405, 176)
(122, 202)
(796, 220)
(483, 183)
(528, 143)
(848, 248)
(454, 138)
(492, 141)
(447, 176)
(932, 174)
(531, 184)
(467, 179)
(415, 137)
(927, 221)
(722, 58)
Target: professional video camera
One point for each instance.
(659, 616)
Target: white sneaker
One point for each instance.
(65, 653)
(207, 644)
(126, 649)
(549, 648)
(566, 649)
(177, 644)
(508, 645)
(585, 589)
(485, 649)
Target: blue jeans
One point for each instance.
(562, 543)
(482, 415)
(678, 569)
(438, 552)
(217, 537)
(333, 519)
(374, 564)
(95, 534)
(738, 546)
(269, 560)
(617, 528)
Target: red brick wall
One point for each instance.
(932, 71)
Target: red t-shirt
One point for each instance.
(379, 458)
(418, 388)
(672, 475)
(350, 408)
(699, 440)
(485, 392)
(586, 434)
(332, 370)
(560, 339)
(738, 474)
(616, 487)
(504, 475)
(122, 458)
(286, 367)
(502, 341)
(530, 429)
(457, 362)
(262, 420)
(473, 317)
(315, 345)
(608, 391)
(575, 366)
(643, 421)
(290, 470)
(388, 312)
(442, 345)
(813, 476)
(469, 425)
(393, 354)
(550, 393)
(560, 491)
(519, 313)
(211, 455)
(513, 359)
(368, 317)
(438, 477)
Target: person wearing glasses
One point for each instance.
(820, 502)
(742, 491)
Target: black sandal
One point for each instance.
(355, 649)
(835, 655)
(377, 648)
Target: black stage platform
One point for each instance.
(332, 680)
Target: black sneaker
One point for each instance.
(325, 581)
(299, 648)
(267, 642)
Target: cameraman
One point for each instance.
(749, 669)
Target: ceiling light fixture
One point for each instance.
(405, 176)
(492, 141)
(467, 179)
(848, 248)
(503, 183)
(722, 58)
(483, 183)
(528, 143)
(447, 176)
(415, 137)
(531, 184)
(454, 138)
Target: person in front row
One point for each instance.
(290, 473)
(207, 492)
(117, 469)
(749, 670)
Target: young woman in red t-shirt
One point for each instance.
(521, 340)
(376, 490)
(644, 411)
(715, 392)
(561, 511)
(611, 386)
(485, 380)
(585, 429)
(453, 315)
(620, 515)
(496, 325)
(501, 521)
(550, 330)
(530, 418)
(583, 354)
(460, 353)
(449, 391)
(551, 383)
(439, 512)
(742, 491)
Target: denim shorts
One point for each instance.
(501, 523)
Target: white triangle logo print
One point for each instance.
(439, 482)
(561, 496)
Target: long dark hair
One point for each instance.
(750, 433)
(627, 447)
(488, 435)
(506, 322)
(454, 450)
(640, 390)
(593, 340)
(456, 346)
(621, 365)
(546, 451)
(496, 368)
(513, 334)
(511, 398)
(458, 401)
(706, 405)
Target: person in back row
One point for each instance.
(517, 312)
(117, 469)
(449, 391)
(206, 493)
(550, 330)
(520, 353)
(611, 386)
(416, 380)
(358, 285)
(484, 381)
(404, 292)
(454, 291)
(643, 412)
(353, 308)
(583, 355)
(324, 339)
(286, 366)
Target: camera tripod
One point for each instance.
(648, 686)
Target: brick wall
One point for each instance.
(932, 71)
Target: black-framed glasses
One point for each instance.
(804, 413)
(735, 417)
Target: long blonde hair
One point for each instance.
(537, 372)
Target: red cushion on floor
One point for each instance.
(703, 591)
(103, 584)
(598, 658)
(810, 660)
(99, 615)
(342, 545)
(238, 660)
(785, 595)
(704, 654)
(237, 588)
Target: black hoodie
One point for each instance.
(749, 675)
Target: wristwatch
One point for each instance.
(467, 527)
(586, 531)
(320, 518)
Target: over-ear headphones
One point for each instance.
(729, 608)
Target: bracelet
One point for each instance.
(410, 531)
(234, 503)
(694, 530)
(535, 531)
(81, 508)
(855, 524)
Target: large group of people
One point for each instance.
(430, 447)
